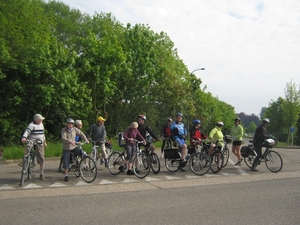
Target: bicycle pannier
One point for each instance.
(245, 151)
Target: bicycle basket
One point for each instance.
(269, 143)
(171, 153)
(121, 140)
(228, 138)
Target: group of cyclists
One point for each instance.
(174, 131)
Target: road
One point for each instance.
(237, 194)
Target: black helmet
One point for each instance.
(70, 120)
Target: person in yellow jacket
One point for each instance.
(216, 136)
(237, 136)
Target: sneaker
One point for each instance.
(66, 178)
(121, 168)
(42, 177)
(137, 171)
(130, 172)
(237, 164)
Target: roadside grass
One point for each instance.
(54, 149)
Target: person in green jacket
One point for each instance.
(216, 136)
(237, 136)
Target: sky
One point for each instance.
(249, 48)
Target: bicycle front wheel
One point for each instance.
(88, 169)
(273, 161)
(226, 157)
(200, 163)
(217, 160)
(155, 163)
(141, 165)
(114, 162)
(24, 170)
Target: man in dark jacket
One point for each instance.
(259, 137)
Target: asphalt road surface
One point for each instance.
(235, 195)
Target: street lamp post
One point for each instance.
(188, 118)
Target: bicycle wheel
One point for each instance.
(155, 163)
(173, 164)
(141, 165)
(217, 160)
(273, 161)
(24, 170)
(88, 169)
(249, 160)
(200, 163)
(226, 157)
(114, 162)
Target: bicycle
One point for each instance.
(271, 158)
(217, 157)
(83, 166)
(28, 160)
(154, 159)
(95, 153)
(199, 161)
(140, 162)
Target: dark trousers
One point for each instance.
(259, 153)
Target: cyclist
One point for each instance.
(98, 133)
(68, 136)
(237, 135)
(78, 124)
(195, 133)
(259, 137)
(145, 130)
(166, 134)
(217, 136)
(35, 130)
(130, 135)
(179, 133)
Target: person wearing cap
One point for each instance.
(216, 136)
(35, 131)
(68, 136)
(97, 132)
(237, 136)
(166, 134)
(178, 134)
(259, 137)
(130, 135)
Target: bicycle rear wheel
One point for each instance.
(155, 163)
(141, 165)
(88, 169)
(217, 160)
(249, 160)
(24, 170)
(114, 162)
(200, 163)
(226, 156)
(273, 161)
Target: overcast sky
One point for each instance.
(249, 48)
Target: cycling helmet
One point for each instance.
(169, 119)
(219, 123)
(196, 122)
(142, 116)
(266, 120)
(237, 119)
(70, 120)
(179, 114)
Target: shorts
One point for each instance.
(237, 143)
(180, 142)
(39, 153)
